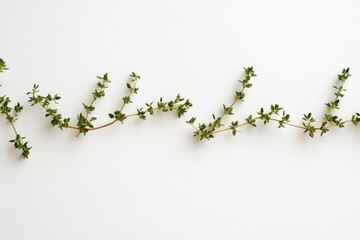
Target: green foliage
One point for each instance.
(249, 120)
(275, 114)
(265, 116)
(83, 122)
(45, 102)
(3, 65)
(191, 120)
(119, 116)
(233, 126)
(355, 119)
(86, 122)
(207, 131)
(19, 143)
(11, 115)
(308, 124)
(334, 104)
(204, 132)
(284, 119)
(177, 105)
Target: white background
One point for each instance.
(151, 179)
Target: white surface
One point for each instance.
(152, 180)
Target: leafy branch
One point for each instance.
(85, 121)
(11, 115)
(207, 131)
(276, 114)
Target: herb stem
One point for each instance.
(131, 91)
(11, 123)
(114, 121)
(87, 114)
(233, 104)
(275, 120)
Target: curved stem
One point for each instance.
(114, 121)
(276, 120)
(13, 127)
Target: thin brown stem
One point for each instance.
(276, 120)
(114, 121)
(12, 124)
(235, 101)
(227, 129)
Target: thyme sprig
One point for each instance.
(11, 114)
(85, 121)
(277, 114)
(208, 130)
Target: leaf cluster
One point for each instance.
(85, 119)
(3, 65)
(276, 113)
(11, 114)
(46, 102)
(207, 131)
